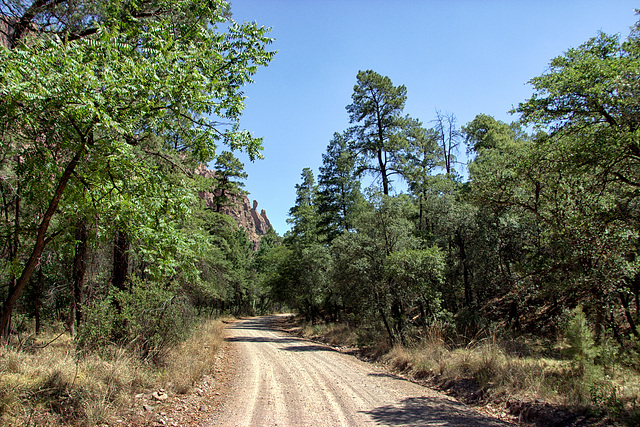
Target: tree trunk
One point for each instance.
(624, 299)
(79, 269)
(392, 338)
(120, 260)
(385, 321)
(421, 225)
(383, 172)
(636, 294)
(38, 302)
(16, 291)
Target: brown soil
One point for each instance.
(191, 409)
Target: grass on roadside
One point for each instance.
(45, 381)
(337, 334)
(490, 371)
(193, 359)
(503, 378)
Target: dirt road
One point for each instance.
(287, 381)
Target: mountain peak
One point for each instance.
(240, 209)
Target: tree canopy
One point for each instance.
(93, 91)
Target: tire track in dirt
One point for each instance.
(288, 381)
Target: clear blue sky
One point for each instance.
(460, 56)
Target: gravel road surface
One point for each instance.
(283, 380)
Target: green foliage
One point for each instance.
(547, 221)
(98, 331)
(149, 318)
(227, 281)
(421, 157)
(419, 274)
(485, 132)
(338, 189)
(580, 339)
(106, 109)
(153, 318)
(304, 215)
(604, 395)
(299, 278)
(361, 256)
(376, 111)
(228, 170)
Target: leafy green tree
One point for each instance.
(266, 267)
(85, 88)
(418, 275)
(421, 158)
(485, 132)
(587, 102)
(227, 267)
(360, 259)
(303, 275)
(299, 276)
(338, 188)
(376, 111)
(567, 232)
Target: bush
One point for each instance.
(153, 318)
(149, 318)
(469, 322)
(97, 330)
(579, 337)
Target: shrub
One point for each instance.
(579, 337)
(97, 330)
(154, 319)
(149, 318)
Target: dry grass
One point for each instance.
(493, 370)
(502, 377)
(490, 366)
(53, 384)
(336, 334)
(193, 359)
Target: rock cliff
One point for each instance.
(246, 214)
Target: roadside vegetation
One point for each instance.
(531, 379)
(110, 261)
(497, 257)
(515, 275)
(46, 381)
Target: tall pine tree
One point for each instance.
(338, 188)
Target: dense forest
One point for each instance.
(541, 221)
(108, 108)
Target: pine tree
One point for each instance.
(338, 189)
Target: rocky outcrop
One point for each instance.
(6, 29)
(240, 208)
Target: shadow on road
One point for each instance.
(386, 375)
(310, 347)
(429, 411)
(259, 324)
(261, 339)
